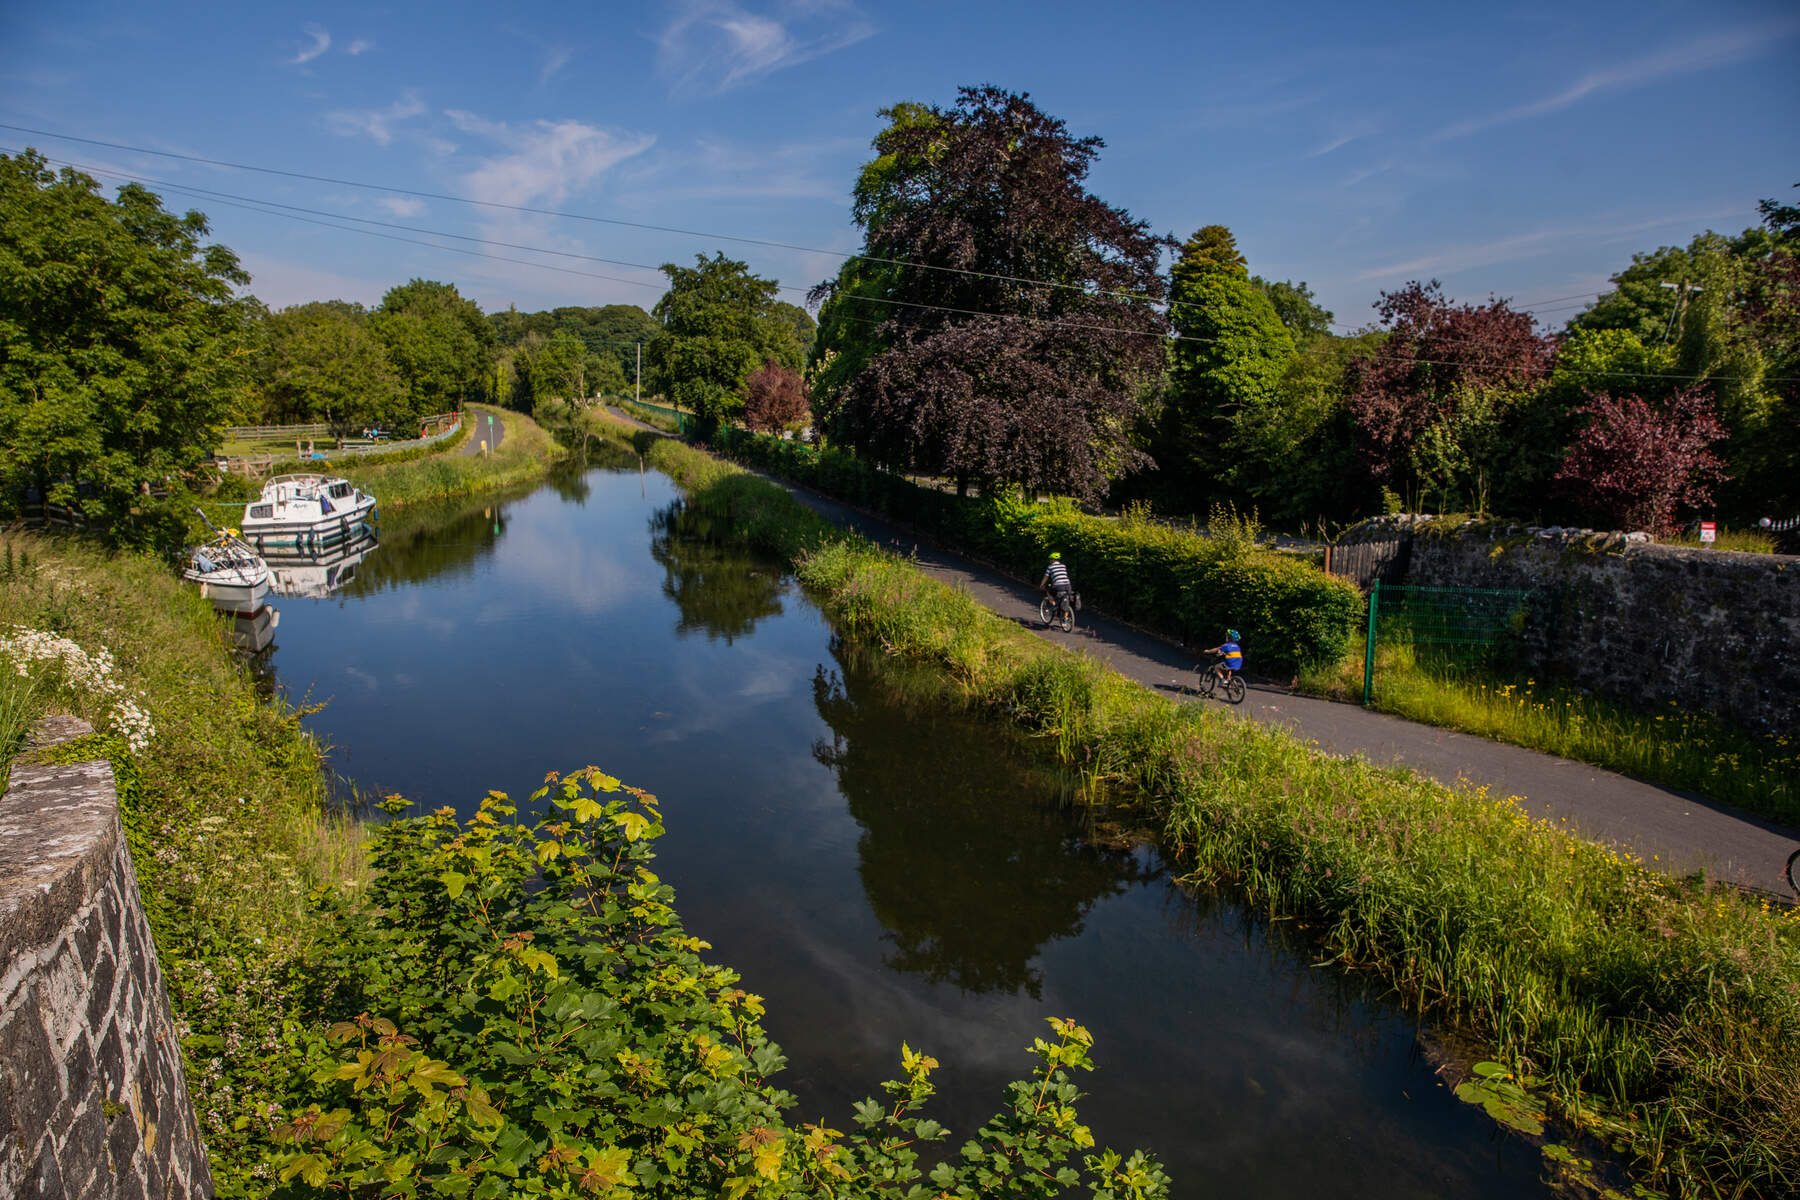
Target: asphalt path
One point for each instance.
(1677, 831)
(489, 428)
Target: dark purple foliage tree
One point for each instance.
(977, 370)
(1636, 463)
(774, 396)
(1431, 402)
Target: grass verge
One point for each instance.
(223, 811)
(1652, 1012)
(1149, 578)
(1677, 748)
(526, 451)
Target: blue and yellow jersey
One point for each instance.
(1234, 655)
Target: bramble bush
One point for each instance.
(1171, 580)
(532, 1019)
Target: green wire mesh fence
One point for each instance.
(1449, 627)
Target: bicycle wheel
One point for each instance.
(1234, 690)
(1046, 610)
(1204, 682)
(1068, 617)
(1793, 872)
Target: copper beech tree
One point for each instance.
(774, 397)
(1638, 463)
(1001, 323)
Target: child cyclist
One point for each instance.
(1231, 656)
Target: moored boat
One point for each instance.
(230, 574)
(307, 512)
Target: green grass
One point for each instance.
(1677, 748)
(1747, 541)
(1652, 1012)
(223, 811)
(525, 452)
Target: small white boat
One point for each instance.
(230, 574)
(307, 512)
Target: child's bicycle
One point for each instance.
(1793, 873)
(1206, 680)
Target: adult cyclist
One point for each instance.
(1056, 583)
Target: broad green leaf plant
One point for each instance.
(533, 1020)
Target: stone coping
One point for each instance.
(58, 833)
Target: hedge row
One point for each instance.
(1175, 582)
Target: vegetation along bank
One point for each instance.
(1660, 1016)
(491, 1009)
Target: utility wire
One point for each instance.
(298, 213)
(1167, 303)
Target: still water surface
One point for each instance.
(880, 868)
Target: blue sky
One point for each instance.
(1522, 150)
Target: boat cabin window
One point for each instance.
(339, 490)
(262, 510)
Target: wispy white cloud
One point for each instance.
(555, 61)
(1700, 54)
(1452, 259)
(375, 123)
(713, 46)
(403, 206)
(360, 46)
(321, 42)
(1345, 135)
(548, 161)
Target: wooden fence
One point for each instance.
(1364, 562)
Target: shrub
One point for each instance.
(1174, 581)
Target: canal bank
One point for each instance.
(1546, 955)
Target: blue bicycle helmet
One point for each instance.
(1231, 635)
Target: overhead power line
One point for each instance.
(331, 221)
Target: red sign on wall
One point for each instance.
(1708, 531)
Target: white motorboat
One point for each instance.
(307, 512)
(230, 574)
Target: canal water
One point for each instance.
(881, 868)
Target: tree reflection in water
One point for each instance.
(969, 874)
(717, 587)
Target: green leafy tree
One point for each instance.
(122, 347)
(321, 362)
(439, 343)
(718, 324)
(1296, 306)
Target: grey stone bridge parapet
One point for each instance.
(93, 1102)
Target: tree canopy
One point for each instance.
(122, 345)
(1019, 355)
(322, 362)
(718, 323)
(438, 342)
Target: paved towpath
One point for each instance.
(488, 427)
(1674, 829)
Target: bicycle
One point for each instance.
(1207, 681)
(1793, 873)
(1057, 610)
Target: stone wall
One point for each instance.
(93, 1102)
(1716, 630)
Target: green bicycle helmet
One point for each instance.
(1055, 554)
